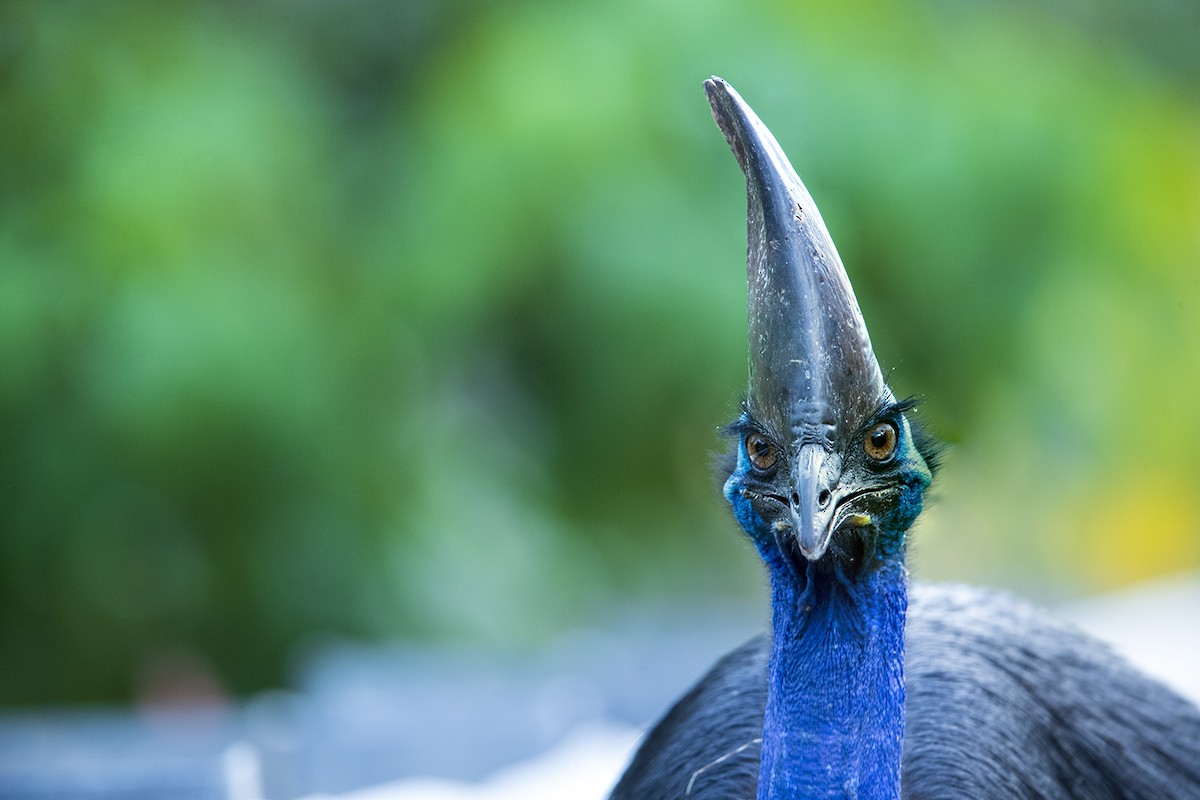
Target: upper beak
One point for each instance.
(814, 477)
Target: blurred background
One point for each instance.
(369, 322)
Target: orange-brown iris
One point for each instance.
(760, 451)
(880, 443)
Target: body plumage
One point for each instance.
(1002, 702)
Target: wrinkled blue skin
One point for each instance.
(834, 720)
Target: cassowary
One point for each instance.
(866, 689)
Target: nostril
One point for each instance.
(823, 498)
(795, 498)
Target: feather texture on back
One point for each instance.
(1002, 703)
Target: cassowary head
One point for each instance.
(828, 467)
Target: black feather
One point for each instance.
(1002, 703)
(710, 739)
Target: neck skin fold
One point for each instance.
(834, 720)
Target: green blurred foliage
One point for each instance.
(378, 320)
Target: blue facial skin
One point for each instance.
(834, 721)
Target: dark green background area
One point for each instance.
(418, 319)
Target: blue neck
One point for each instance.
(834, 720)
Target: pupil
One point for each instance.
(879, 438)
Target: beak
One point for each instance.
(813, 373)
(814, 477)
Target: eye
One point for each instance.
(880, 443)
(760, 450)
